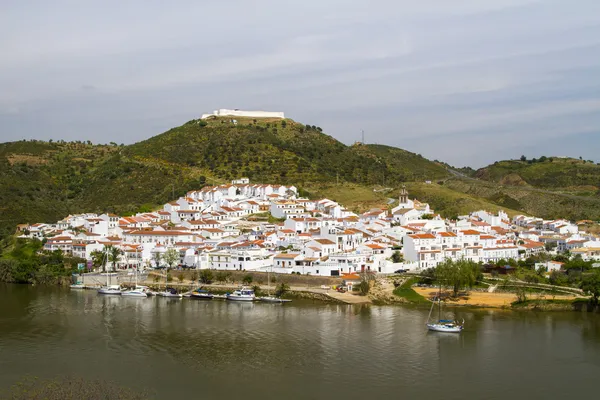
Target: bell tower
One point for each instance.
(403, 195)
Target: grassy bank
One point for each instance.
(406, 292)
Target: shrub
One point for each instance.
(247, 279)
(206, 276)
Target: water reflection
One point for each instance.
(298, 350)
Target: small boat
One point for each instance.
(243, 294)
(201, 294)
(170, 292)
(138, 291)
(443, 325)
(77, 286)
(110, 289)
(268, 298)
(134, 293)
(272, 299)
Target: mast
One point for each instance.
(106, 268)
(440, 303)
(136, 268)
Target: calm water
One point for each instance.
(215, 349)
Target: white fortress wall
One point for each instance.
(223, 112)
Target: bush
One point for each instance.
(222, 276)
(206, 276)
(247, 279)
(397, 257)
(282, 289)
(363, 287)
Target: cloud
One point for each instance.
(463, 81)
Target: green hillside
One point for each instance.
(281, 151)
(548, 173)
(539, 202)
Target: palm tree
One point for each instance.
(114, 253)
(97, 259)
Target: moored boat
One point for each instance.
(243, 294)
(110, 289)
(170, 292)
(272, 299)
(201, 294)
(443, 325)
(134, 293)
(77, 286)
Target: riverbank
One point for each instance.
(535, 301)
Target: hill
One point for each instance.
(45, 181)
(283, 151)
(566, 174)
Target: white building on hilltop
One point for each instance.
(224, 112)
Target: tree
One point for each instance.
(114, 253)
(397, 257)
(282, 289)
(206, 276)
(222, 276)
(157, 257)
(171, 257)
(591, 284)
(523, 158)
(97, 258)
(457, 274)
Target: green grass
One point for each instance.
(539, 202)
(406, 292)
(451, 203)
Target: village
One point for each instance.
(258, 227)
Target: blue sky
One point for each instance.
(463, 81)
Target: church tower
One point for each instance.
(403, 195)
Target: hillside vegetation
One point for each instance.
(549, 173)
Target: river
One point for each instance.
(302, 350)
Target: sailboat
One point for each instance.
(443, 325)
(169, 292)
(138, 291)
(201, 294)
(268, 298)
(109, 289)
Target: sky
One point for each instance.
(468, 82)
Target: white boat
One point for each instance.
(268, 298)
(443, 325)
(134, 293)
(170, 292)
(110, 289)
(77, 286)
(271, 299)
(243, 294)
(138, 291)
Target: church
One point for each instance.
(409, 210)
